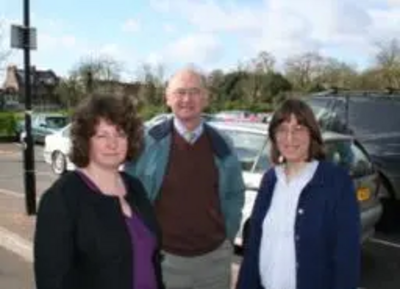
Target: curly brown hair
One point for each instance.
(304, 116)
(119, 111)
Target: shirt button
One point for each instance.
(301, 211)
(297, 237)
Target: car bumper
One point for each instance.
(369, 218)
(47, 156)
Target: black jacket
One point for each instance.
(81, 239)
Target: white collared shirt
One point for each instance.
(182, 130)
(277, 249)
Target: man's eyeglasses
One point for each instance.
(191, 92)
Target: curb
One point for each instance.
(16, 244)
(12, 241)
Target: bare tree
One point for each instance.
(336, 73)
(152, 79)
(97, 72)
(256, 69)
(4, 52)
(388, 62)
(70, 91)
(264, 62)
(302, 70)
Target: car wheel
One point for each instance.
(391, 215)
(58, 163)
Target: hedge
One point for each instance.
(8, 123)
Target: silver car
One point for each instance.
(252, 146)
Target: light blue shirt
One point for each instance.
(182, 130)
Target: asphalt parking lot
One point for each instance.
(380, 258)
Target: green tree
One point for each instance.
(273, 84)
(232, 86)
(214, 84)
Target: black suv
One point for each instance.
(374, 119)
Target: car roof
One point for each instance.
(262, 128)
(50, 114)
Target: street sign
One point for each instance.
(18, 37)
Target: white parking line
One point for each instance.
(15, 243)
(11, 193)
(385, 243)
(45, 174)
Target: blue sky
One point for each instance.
(208, 33)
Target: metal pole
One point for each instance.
(29, 156)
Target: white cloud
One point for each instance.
(154, 58)
(208, 16)
(161, 5)
(198, 48)
(287, 27)
(394, 2)
(48, 42)
(131, 25)
(169, 28)
(386, 23)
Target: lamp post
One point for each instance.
(29, 156)
(24, 37)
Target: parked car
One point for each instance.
(56, 150)
(165, 116)
(252, 146)
(42, 124)
(374, 119)
(237, 115)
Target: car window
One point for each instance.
(35, 121)
(247, 145)
(56, 122)
(66, 132)
(361, 164)
(263, 161)
(361, 109)
(340, 152)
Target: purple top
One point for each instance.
(144, 246)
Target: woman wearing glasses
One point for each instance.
(305, 227)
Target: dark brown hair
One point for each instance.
(119, 111)
(304, 116)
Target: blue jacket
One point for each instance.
(151, 166)
(327, 230)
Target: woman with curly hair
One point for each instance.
(95, 227)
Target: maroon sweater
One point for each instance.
(188, 207)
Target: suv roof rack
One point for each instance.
(339, 91)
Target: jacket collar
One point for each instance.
(319, 178)
(219, 144)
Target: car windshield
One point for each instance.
(56, 122)
(247, 145)
(322, 108)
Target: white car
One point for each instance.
(56, 150)
(252, 146)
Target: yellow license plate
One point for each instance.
(363, 194)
